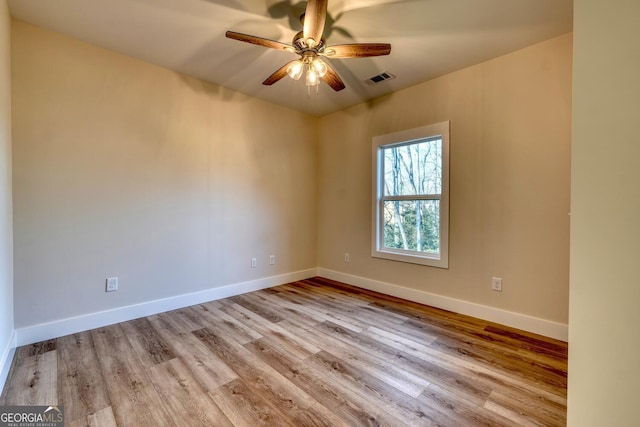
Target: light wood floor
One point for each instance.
(314, 352)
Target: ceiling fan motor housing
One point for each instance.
(301, 44)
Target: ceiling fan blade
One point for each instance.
(314, 19)
(260, 41)
(358, 50)
(333, 79)
(278, 75)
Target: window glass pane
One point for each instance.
(412, 225)
(413, 168)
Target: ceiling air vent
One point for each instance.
(375, 80)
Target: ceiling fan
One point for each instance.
(310, 45)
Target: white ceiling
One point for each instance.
(428, 38)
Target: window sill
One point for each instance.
(401, 256)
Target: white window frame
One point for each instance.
(441, 260)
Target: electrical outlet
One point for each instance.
(254, 262)
(347, 258)
(272, 259)
(112, 284)
(496, 284)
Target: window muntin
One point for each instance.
(410, 212)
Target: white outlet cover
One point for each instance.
(112, 284)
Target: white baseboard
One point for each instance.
(72, 325)
(536, 325)
(58, 328)
(6, 359)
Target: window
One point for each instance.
(411, 196)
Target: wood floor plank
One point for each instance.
(441, 374)
(401, 306)
(290, 310)
(377, 393)
(397, 341)
(81, 387)
(385, 370)
(240, 332)
(188, 403)
(398, 362)
(135, 401)
(285, 397)
(101, 418)
(318, 384)
(486, 377)
(346, 304)
(514, 417)
(261, 310)
(530, 341)
(145, 341)
(513, 371)
(294, 343)
(525, 347)
(205, 366)
(342, 311)
(543, 374)
(300, 307)
(529, 409)
(244, 407)
(33, 380)
(190, 320)
(319, 285)
(486, 342)
(311, 353)
(323, 312)
(37, 348)
(327, 418)
(468, 413)
(401, 330)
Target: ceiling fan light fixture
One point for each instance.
(319, 67)
(312, 77)
(295, 69)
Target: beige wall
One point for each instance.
(604, 317)
(126, 169)
(510, 181)
(6, 231)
